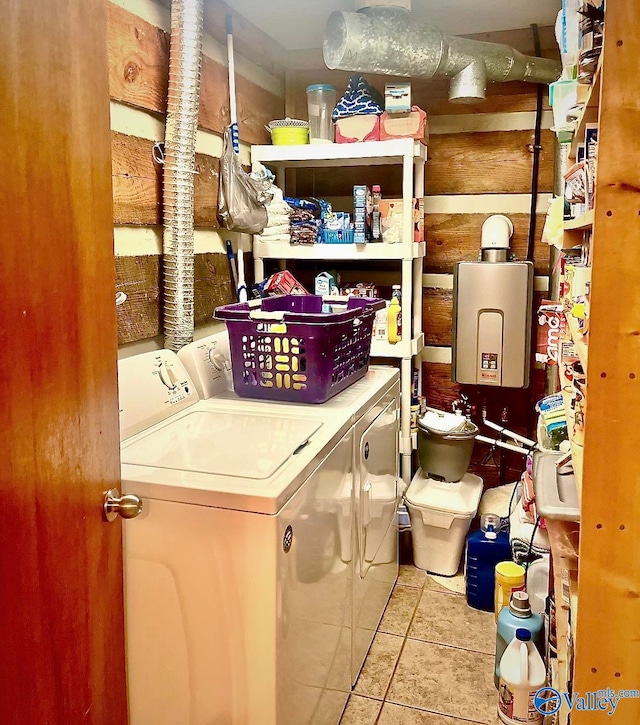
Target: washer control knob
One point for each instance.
(217, 360)
(168, 377)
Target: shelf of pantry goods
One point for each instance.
(577, 452)
(585, 221)
(344, 154)
(402, 349)
(564, 541)
(589, 110)
(577, 457)
(577, 449)
(370, 250)
(581, 347)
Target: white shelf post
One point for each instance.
(406, 447)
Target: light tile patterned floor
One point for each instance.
(431, 662)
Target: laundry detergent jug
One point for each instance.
(485, 549)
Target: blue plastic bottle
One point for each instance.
(515, 616)
(485, 549)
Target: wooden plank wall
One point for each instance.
(139, 278)
(138, 72)
(479, 164)
(138, 45)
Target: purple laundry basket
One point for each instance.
(286, 348)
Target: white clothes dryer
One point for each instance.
(368, 536)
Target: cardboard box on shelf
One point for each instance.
(362, 289)
(591, 161)
(397, 97)
(358, 128)
(362, 208)
(326, 284)
(405, 125)
(391, 211)
(551, 330)
(283, 283)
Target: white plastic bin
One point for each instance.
(441, 513)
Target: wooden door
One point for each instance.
(61, 607)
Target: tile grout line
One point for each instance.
(444, 644)
(404, 641)
(440, 714)
(406, 637)
(452, 646)
(421, 589)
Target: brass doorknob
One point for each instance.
(127, 507)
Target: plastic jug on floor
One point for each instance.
(522, 674)
(538, 584)
(517, 615)
(485, 548)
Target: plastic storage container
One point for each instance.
(522, 674)
(445, 455)
(563, 96)
(321, 100)
(509, 579)
(518, 614)
(538, 584)
(288, 132)
(289, 136)
(286, 348)
(485, 549)
(441, 514)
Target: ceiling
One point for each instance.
(299, 24)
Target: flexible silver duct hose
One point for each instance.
(387, 40)
(179, 167)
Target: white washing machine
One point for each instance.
(242, 571)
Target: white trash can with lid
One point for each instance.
(441, 513)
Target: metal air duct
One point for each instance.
(179, 167)
(385, 39)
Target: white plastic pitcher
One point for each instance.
(522, 674)
(321, 100)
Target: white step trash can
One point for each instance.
(441, 513)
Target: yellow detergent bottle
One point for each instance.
(395, 315)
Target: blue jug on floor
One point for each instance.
(485, 549)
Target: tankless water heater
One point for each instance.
(492, 314)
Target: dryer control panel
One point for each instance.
(152, 387)
(208, 362)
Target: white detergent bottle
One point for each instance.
(522, 674)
